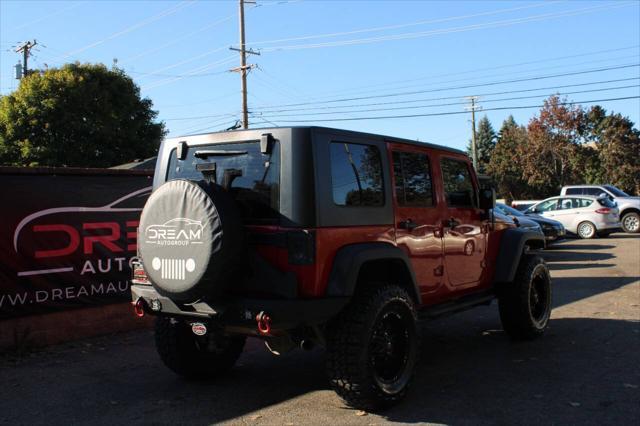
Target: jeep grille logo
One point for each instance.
(175, 232)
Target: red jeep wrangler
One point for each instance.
(314, 236)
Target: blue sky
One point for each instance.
(326, 60)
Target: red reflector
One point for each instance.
(139, 274)
(604, 210)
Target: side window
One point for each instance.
(574, 191)
(592, 191)
(567, 203)
(583, 202)
(356, 175)
(458, 186)
(413, 179)
(547, 206)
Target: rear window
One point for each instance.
(615, 191)
(257, 190)
(606, 202)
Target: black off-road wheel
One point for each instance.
(525, 304)
(195, 357)
(372, 348)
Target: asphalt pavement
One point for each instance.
(585, 370)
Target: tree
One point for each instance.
(485, 143)
(80, 115)
(617, 145)
(551, 159)
(504, 165)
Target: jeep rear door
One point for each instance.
(417, 215)
(464, 226)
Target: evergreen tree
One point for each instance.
(485, 143)
(504, 165)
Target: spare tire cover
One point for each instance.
(190, 239)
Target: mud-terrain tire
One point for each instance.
(372, 347)
(525, 304)
(631, 223)
(192, 356)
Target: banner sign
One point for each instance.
(67, 237)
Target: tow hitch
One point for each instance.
(264, 323)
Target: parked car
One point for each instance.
(628, 205)
(585, 216)
(522, 222)
(522, 205)
(552, 229)
(314, 236)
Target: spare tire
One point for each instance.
(191, 240)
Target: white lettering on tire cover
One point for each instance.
(173, 269)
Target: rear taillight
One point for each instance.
(139, 274)
(604, 210)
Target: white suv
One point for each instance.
(584, 215)
(628, 205)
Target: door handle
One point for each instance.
(408, 224)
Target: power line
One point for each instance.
(193, 72)
(458, 103)
(475, 27)
(167, 12)
(458, 112)
(177, 39)
(398, 26)
(213, 126)
(480, 76)
(47, 16)
(411, 101)
(358, 90)
(469, 86)
(259, 114)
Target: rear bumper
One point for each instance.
(239, 314)
(609, 226)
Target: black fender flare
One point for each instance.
(512, 245)
(349, 260)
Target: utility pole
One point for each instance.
(244, 68)
(25, 48)
(474, 148)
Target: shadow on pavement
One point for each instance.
(584, 371)
(575, 256)
(595, 246)
(567, 266)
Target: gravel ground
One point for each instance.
(585, 370)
